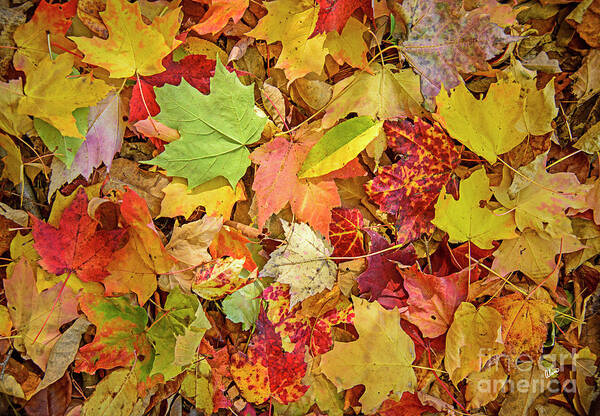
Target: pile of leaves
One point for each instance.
(299, 207)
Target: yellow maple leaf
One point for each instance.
(472, 340)
(500, 121)
(380, 94)
(52, 95)
(292, 22)
(380, 359)
(465, 220)
(216, 196)
(349, 46)
(132, 46)
(524, 321)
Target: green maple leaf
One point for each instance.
(214, 129)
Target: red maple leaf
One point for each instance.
(267, 370)
(77, 245)
(333, 14)
(432, 300)
(345, 232)
(409, 188)
(276, 183)
(408, 405)
(381, 279)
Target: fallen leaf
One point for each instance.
(472, 340)
(408, 188)
(33, 314)
(292, 22)
(432, 300)
(379, 93)
(267, 370)
(230, 126)
(474, 40)
(116, 394)
(333, 14)
(465, 220)
(345, 232)
(120, 338)
(50, 94)
(221, 277)
(302, 262)
(77, 245)
(382, 347)
(189, 242)
(132, 47)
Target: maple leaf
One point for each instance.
(290, 323)
(50, 94)
(534, 253)
(103, 140)
(195, 69)
(26, 306)
(500, 121)
(378, 93)
(339, 146)
(120, 335)
(382, 348)
(465, 220)
(214, 128)
(77, 245)
(333, 14)
(216, 196)
(276, 182)
(292, 22)
(115, 394)
(267, 370)
(381, 268)
(539, 199)
(48, 25)
(408, 188)
(432, 300)
(135, 266)
(176, 334)
(444, 41)
(13, 162)
(472, 340)
(218, 278)
(525, 322)
(345, 232)
(302, 262)
(132, 46)
(218, 15)
(189, 242)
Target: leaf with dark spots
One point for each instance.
(409, 188)
(77, 245)
(267, 370)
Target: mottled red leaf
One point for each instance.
(77, 245)
(120, 338)
(333, 14)
(300, 329)
(267, 370)
(432, 300)
(409, 187)
(345, 232)
(381, 268)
